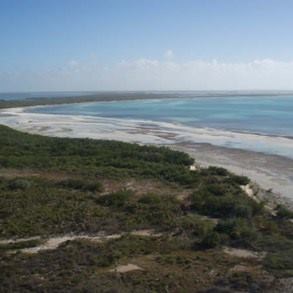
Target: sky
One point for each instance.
(75, 45)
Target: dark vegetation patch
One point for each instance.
(280, 263)
(83, 185)
(213, 212)
(253, 281)
(104, 158)
(219, 198)
(284, 213)
(86, 266)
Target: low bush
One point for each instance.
(19, 184)
(239, 180)
(284, 213)
(211, 240)
(80, 184)
(193, 225)
(213, 170)
(153, 211)
(116, 200)
(280, 263)
(227, 206)
(240, 231)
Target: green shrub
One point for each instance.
(117, 200)
(284, 213)
(242, 210)
(150, 199)
(227, 206)
(213, 170)
(19, 184)
(267, 225)
(83, 185)
(194, 225)
(211, 240)
(153, 210)
(239, 180)
(217, 189)
(239, 230)
(281, 263)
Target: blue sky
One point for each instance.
(145, 44)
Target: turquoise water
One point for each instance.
(252, 114)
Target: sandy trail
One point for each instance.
(126, 268)
(243, 253)
(54, 242)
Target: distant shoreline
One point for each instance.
(135, 95)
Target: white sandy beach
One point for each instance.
(207, 146)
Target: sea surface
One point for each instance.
(272, 116)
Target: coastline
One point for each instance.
(114, 96)
(273, 174)
(269, 171)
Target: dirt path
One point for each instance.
(126, 268)
(243, 253)
(54, 242)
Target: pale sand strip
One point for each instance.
(126, 268)
(18, 240)
(243, 253)
(54, 242)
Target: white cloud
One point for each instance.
(73, 63)
(151, 74)
(169, 54)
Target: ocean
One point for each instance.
(271, 116)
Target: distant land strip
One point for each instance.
(132, 95)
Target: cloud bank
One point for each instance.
(152, 74)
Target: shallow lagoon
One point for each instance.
(253, 114)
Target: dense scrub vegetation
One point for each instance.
(58, 186)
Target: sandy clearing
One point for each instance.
(54, 242)
(243, 253)
(248, 190)
(126, 268)
(146, 232)
(241, 268)
(19, 240)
